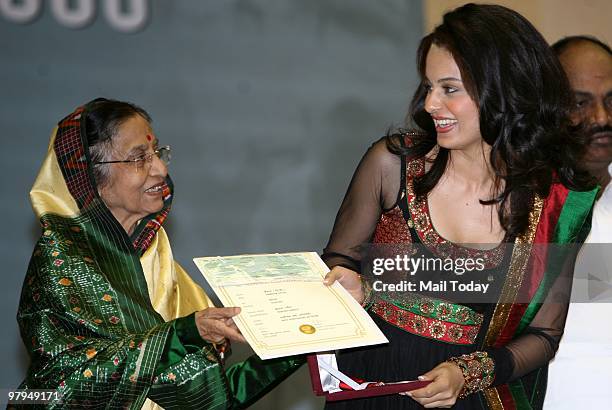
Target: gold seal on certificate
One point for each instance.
(286, 308)
(308, 329)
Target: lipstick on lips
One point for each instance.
(443, 124)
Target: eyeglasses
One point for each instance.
(163, 153)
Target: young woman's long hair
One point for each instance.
(523, 98)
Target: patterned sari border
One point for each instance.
(427, 327)
(420, 219)
(537, 263)
(436, 309)
(493, 400)
(516, 273)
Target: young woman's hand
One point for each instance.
(349, 279)
(447, 382)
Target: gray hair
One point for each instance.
(102, 151)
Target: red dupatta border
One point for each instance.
(545, 233)
(559, 219)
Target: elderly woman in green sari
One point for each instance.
(108, 317)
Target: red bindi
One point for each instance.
(149, 137)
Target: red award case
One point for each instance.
(383, 390)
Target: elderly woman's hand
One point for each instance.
(216, 324)
(447, 382)
(349, 279)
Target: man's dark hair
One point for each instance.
(561, 45)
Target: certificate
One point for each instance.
(286, 308)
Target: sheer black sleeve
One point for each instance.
(540, 341)
(373, 189)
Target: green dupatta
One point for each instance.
(562, 218)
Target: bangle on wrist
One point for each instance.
(368, 295)
(477, 368)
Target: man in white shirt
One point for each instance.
(580, 376)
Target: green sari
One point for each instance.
(107, 318)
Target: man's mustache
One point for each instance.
(595, 129)
(588, 130)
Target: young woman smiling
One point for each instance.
(488, 171)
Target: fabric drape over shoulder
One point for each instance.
(107, 318)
